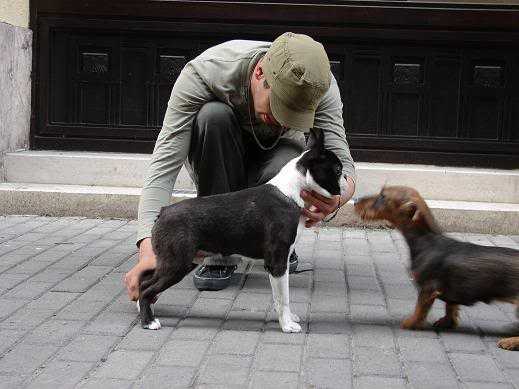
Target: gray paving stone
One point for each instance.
(141, 339)
(253, 302)
(274, 335)
(431, 375)
(9, 306)
(60, 374)
(108, 323)
(8, 281)
(8, 338)
(462, 342)
(210, 308)
(51, 276)
(171, 376)
(513, 375)
(365, 335)
(485, 385)
(375, 314)
(105, 383)
(182, 352)
(88, 348)
(379, 382)
(28, 290)
(360, 269)
(24, 358)
(472, 367)
(84, 328)
(25, 319)
(82, 280)
(329, 259)
(176, 296)
(363, 283)
(329, 288)
(235, 342)
(375, 361)
(225, 370)
(507, 359)
(329, 275)
(274, 379)
(328, 346)
(55, 332)
(328, 373)
(81, 309)
(329, 303)
(278, 357)
(197, 328)
(329, 323)
(123, 364)
(421, 350)
(358, 297)
(52, 301)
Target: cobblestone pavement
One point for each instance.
(65, 320)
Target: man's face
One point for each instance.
(261, 97)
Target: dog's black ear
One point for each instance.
(318, 136)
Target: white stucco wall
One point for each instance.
(15, 12)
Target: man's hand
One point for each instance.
(147, 261)
(318, 207)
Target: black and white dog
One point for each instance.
(259, 222)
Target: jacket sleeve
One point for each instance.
(188, 95)
(328, 118)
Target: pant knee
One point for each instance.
(216, 116)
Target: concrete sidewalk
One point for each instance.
(65, 320)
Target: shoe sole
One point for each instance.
(202, 283)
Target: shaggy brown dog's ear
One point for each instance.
(410, 208)
(421, 214)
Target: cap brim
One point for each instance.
(288, 117)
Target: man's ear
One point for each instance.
(258, 72)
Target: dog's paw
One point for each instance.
(445, 323)
(153, 325)
(509, 343)
(411, 324)
(290, 326)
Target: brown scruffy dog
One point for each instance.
(458, 273)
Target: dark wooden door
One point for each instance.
(420, 83)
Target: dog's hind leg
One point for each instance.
(423, 305)
(162, 279)
(451, 318)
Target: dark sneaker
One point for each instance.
(292, 262)
(213, 277)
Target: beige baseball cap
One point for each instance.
(298, 71)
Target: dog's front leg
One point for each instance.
(280, 293)
(425, 301)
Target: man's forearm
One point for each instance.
(348, 191)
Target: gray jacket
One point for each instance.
(221, 73)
